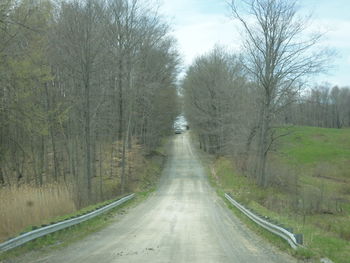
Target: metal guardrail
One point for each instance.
(26, 237)
(280, 231)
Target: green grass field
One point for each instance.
(311, 145)
(318, 205)
(322, 158)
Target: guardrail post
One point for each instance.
(289, 229)
(299, 238)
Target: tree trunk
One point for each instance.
(100, 172)
(120, 101)
(247, 148)
(263, 146)
(2, 179)
(88, 140)
(123, 175)
(54, 155)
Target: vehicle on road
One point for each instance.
(178, 131)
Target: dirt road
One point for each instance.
(184, 221)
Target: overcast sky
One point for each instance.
(200, 24)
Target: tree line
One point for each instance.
(322, 106)
(237, 103)
(81, 83)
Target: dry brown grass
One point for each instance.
(32, 206)
(28, 206)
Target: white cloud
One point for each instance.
(198, 32)
(200, 24)
(336, 31)
(200, 37)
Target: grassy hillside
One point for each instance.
(309, 172)
(322, 159)
(312, 145)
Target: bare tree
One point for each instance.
(80, 32)
(321, 106)
(279, 56)
(215, 101)
(83, 84)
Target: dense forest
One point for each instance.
(85, 86)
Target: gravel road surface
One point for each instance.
(183, 221)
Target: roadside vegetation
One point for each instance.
(143, 184)
(83, 85)
(26, 207)
(280, 146)
(67, 236)
(309, 189)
